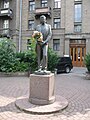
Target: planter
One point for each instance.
(87, 75)
(88, 68)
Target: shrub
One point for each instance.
(28, 57)
(11, 61)
(87, 61)
(20, 67)
(7, 55)
(52, 59)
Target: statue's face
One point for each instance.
(42, 20)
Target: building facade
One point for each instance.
(69, 20)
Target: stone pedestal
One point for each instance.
(42, 89)
(41, 99)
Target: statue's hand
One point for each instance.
(43, 43)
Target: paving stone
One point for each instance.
(73, 86)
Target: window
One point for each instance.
(31, 5)
(77, 0)
(56, 22)
(6, 4)
(78, 41)
(5, 26)
(57, 3)
(77, 27)
(31, 24)
(77, 12)
(44, 3)
(56, 44)
(29, 44)
(78, 17)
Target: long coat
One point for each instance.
(47, 34)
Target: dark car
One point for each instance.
(64, 64)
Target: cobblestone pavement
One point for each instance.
(73, 86)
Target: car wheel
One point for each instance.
(67, 69)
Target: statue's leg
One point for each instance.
(38, 51)
(44, 62)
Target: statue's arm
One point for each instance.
(49, 34)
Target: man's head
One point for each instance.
(42, 19)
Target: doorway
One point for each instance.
(78, 52)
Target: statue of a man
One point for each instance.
(41, 49)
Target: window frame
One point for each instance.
(44, 3)
(31, 5)
(77, 0)
(57, 4)
(5, 26)
(77, 12)
(77, 30)
(56, 44)
(31, 24)
(28, 44)
(56, 24)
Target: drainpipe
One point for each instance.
(20, 26)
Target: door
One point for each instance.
(78, 51)
(77, 54)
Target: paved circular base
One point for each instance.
(23, 104)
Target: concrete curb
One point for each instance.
(12, 74)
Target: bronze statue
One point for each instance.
(42, 46)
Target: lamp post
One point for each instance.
(20, 26)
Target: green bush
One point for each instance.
(52, 59)
(7, 55)
(87, 61)
(28, 57)
(11, 61)
(21, 67)
(32, 60)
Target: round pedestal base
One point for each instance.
(23, 104)
(42, 102)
